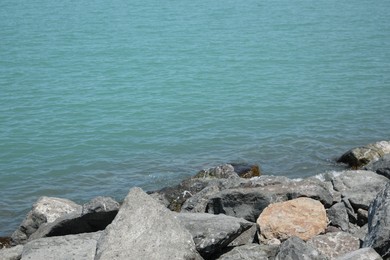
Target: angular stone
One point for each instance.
(361, 254)
(381, 166)
(212, 233)
(360, 156)
(301, 217)
(245, 170)
(338, 216)
(12, 253)
(334, 244)
(225, 171)
(378, 236)
(100, 204)
(250, 252)
(247, 237)
(45, 210)
(359, 187)
(145, 229)
(80, 247)
(295, 248)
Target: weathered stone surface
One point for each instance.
(338, 216)
(45, 210)
(80, 247)
(378, 236)
(295, 248)
(100, 204)
(381, 166)
(145, 229)
(12, 253)
(361, 254)
(360, 156)
(245, 170)
(225, 171)
(250, 252)
(359, 187)
(246, 237)
(301, 217)
(212, 233)
(334, 244)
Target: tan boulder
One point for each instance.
(301, 217)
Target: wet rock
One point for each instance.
(301, 217)
(360, 156)
(12, 253)
(250, 252)
(295, 248)
(144, 229)
(245, 170)
(338, 216)
(381, 166)
(334, 244)
(361, 254)
(225, 171)
(378, 236)
(212, 233)
(80, 247)
(45, 210)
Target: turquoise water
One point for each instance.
(97, 97)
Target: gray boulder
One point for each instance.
(100, 204)
(338, 216)
(45, 210)
(295, 248)
(361, 254)
(381, 166)
(359, 187)
(251, 252)
(334, 244)
(145, 229)
(12, 253)
(212, 233)
(378, 236)
(80, 247)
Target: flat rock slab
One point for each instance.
(335, 244)
(294, 246)
(80, 247)
(301, 217)
(361, 254)
(145, 229)
(212, 233)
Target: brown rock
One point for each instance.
(301, 217)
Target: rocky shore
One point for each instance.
(227, 212)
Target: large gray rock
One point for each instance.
(338, 216)
(361, 254)
(12, 253)
(250, 252)
(212, 233)
(378, 236)
(381, 166)
(80, 247)
(95, 216)
(45, 210)
(295, 248)
(335, 244)
(361, 156)
(359, 187)
(145, 229)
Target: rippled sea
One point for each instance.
(97, 97)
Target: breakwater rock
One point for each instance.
(226, 212)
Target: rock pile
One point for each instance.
(219, 214)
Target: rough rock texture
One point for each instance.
(246, 237)
(301, 217)
(13, 253)
(144, 229)
(378, 236)
(338, 216)
(361, 254)
(80, 247)
(359, 187)
(212, 233)
(361, 156)
(251, 252)
(245, 170)
(295, 248)
(100, 204)
(45, 210)
(334, 244)
(381, 166)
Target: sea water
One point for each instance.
(99, 96)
